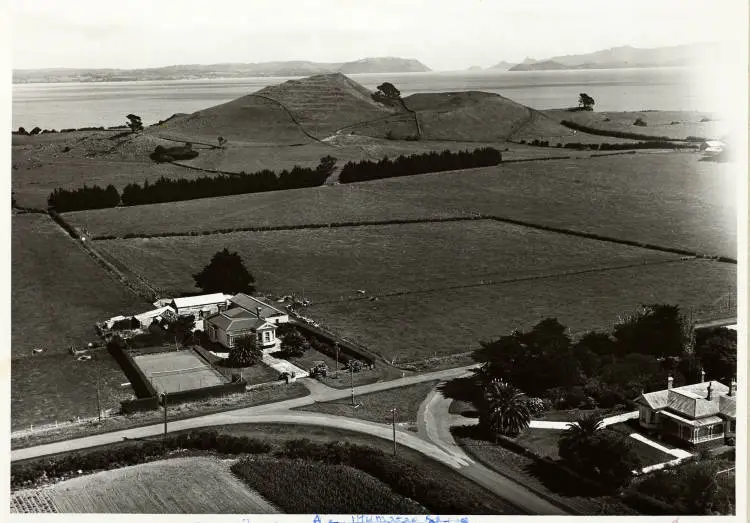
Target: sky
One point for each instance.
(444, 35)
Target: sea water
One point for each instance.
(66, 105)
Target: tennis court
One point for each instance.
(178, 371)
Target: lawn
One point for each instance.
(58, 292)
(299, 487)
(377, 405)
(668, 199)
(541, 441)
(329, 265)
(193, 485)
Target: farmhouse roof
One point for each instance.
(237, 320)
(728, 406)
(251, 304)
(197, 301)
(152, 314)
(700, 422)
(688, 400)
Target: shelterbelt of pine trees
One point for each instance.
(419, 164)
(172, 190)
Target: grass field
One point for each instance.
(673, 124)
(304, 487)
(667, 199)
(176, 486)
(331, 264)
(57, 387)
(416, 326)
(377, 406)
(58, 292)
(184, 410)
(178, 371)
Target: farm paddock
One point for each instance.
(58, 291)
(670, 199)
(434, 289)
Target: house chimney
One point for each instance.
(703, 375)
(732, 388)
(708, 396)
(670, 380)
(257, 311)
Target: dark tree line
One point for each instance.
(172, 190)
(419, 164)
(63, 200)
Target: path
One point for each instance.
(563, 425)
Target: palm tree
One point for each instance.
(506, 411)
(578, 434)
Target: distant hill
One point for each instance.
(502, 66)
(547, 65)
(627, 56)
(226, 70)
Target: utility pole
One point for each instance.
(351, 381)
(393, 411)
(336, 346)
(98, 401)
(164, 403)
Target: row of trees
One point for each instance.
(63, 200)
(419, 164)
(172, 190)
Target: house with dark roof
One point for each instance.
(697, 414)
(246, 316)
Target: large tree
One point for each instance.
(225, 273)
(134, 123)
(586, 101)
(245, 352)
(505, 409)
(604, 455)
(294, 343)
(657, 329)
(717, 351)
(534, 361)
(388, 90)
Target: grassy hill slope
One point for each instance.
(325, 103)
(249, 119)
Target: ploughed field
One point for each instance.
(665, 199)
(195, 485)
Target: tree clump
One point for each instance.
(225, 273)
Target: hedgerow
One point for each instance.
(131, 453)
(298, 486)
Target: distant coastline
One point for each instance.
(219, 71)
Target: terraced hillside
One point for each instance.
(323, 104)
(250, 119)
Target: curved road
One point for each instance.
(434, 424)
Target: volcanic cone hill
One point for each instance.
(323, 104)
